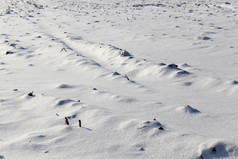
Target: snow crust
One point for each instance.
(146, 78)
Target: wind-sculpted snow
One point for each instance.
(118, 79)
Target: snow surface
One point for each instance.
(149, 79)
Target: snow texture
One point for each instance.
(134, 79)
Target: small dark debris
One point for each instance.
(66, 121)
(201, 157)
(15, 89)
(127, 77)
(142, 149)
(235, 82)
(13, 45)
(9, 52)
(71, 117)
(173, 66)
(154, 119)
(214, 149)
(78, 101)
(30, 94)
(63, 49)
(206, 38)
(161, 128)
(57, 114)
(80, 123)
(95, 89)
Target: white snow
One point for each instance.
(147, 78)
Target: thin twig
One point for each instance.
(127, 77)
(80, 124)
(63, 49)
(66, 121)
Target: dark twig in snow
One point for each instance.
(63, 49)
(127, 77)
(30, 94)
(80, 124)
(66, 121)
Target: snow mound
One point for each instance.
(173, 66)
(189, 109)
(217, 150)
(182, 73)
(125, 53)
(116, 73)
(171, 71)
(150, 125)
